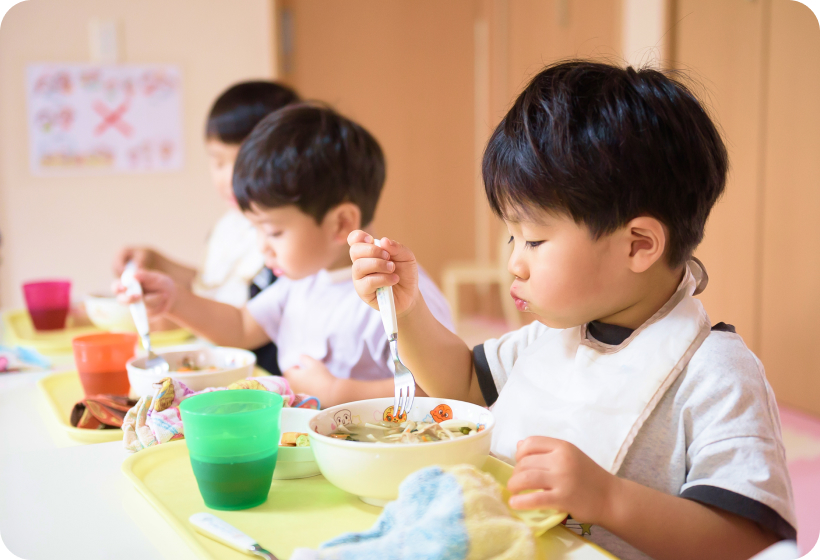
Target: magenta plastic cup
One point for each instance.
(48, 303)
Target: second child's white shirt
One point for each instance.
(323, 317)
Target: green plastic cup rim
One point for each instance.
(215, 397)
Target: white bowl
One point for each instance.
(232, 365)
(373, 471)
(295, 462)
(108, 314)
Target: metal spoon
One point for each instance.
(153, 363)
(223, 532)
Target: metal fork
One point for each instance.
(153, 363)
(405, 383)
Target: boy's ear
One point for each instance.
(647, 241)
(346, 217)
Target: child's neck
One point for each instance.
(341, 259)
(660, 286)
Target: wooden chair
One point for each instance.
(495, 273)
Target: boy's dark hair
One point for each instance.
(604, 145)
(241, 107)
(310, 156)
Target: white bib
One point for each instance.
(594, 395)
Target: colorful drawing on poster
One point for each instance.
(116, 118)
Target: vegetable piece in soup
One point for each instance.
(405, 432)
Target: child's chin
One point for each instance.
(554, 322)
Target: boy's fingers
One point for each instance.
(370, 283)
(368, 250)
(366, 267)
(531, 479)
(359, 236)
(536, 445)
(533, 500)
(535, 461)
(398, 252)
(126, 299)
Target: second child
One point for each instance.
(306, 178)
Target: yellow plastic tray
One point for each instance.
(299, 513)
(19, 331)
(62, 391)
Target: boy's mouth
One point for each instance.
(520, 304)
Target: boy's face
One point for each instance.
(221, 158)
(292, 243)
(564, 276)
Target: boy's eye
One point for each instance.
(532, 244)
(275, 234)
(510, 241)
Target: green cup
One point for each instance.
(233, 437)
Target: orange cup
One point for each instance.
(100, 360)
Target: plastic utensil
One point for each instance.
(100, 360)
(233, 440)
(223, 532)
(404, 382)
(48, 303)
(154, 363)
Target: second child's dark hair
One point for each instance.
(309, 156)
(605, 145)
(241, 107)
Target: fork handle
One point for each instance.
(387, 306)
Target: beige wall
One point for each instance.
(404, 70)
(72, 226)
(760, 65)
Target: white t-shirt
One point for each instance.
(713, 438)
(323, 317)
(231, 262)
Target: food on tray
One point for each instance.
(405, 432)
(294, 439)
(188, 365)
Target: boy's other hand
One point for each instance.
(310, 377)
(374, 267)
(144, 257)
(159, 292)
(567, 480)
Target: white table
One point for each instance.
(62, 499)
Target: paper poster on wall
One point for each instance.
(115, 118)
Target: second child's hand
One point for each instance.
(159, 292)
(374, 267)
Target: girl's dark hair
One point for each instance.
(310, 156)
(604, 145)
(241, 107)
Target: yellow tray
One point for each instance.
(299, 513)
(19, 331)
(62, 391)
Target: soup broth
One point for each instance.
(405, 432)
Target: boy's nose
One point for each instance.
(517, 267)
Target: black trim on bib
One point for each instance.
(485, 377)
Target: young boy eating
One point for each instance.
(233, 270)
(306, 178)
(619, 404)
